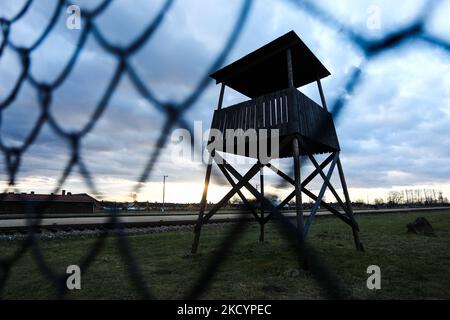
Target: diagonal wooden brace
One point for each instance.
(247, 185)
(304, 182)
(347, 197)
(241, 195)
(328, 207)
(321, 194)
(245, 179)
(311, 195)
(330, 186)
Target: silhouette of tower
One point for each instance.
(270, 76)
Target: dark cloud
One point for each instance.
(393, 131)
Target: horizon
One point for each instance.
(401, 194)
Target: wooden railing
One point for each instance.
(315, 122)
(266, 112)
(288, 110)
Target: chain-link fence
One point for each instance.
(174, 115)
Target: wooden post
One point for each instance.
(299, 204)
(290, 70)
(322, 96)
(358, 244)
(298, 191)
(198, 226)
(292, 95)
(222, 90)
(261, 181)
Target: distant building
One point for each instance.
(19, 203)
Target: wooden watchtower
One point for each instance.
(269, 76)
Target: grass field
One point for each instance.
(412, 266)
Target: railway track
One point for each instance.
(8, 226)
(79, 224)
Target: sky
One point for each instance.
(393, 129)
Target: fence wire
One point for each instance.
(174, 114)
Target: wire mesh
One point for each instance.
(174, 114)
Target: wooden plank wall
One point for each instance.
(273, 111)
(315, 122)
(266, 112)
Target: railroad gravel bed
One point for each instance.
(49, 234)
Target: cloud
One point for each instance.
(393, 131)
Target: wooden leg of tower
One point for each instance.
(298, 192)
(198, 226)
(261, 223)
(299, 204)
(355, 228)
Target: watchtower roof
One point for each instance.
(265, 70)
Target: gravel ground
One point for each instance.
(95, 232)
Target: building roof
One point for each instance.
(265, 69)
(31, 197)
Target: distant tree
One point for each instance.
(440, 197)
(378, 201)
(395, 197)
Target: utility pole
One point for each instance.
(164, 192)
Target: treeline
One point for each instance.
(414, 197)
